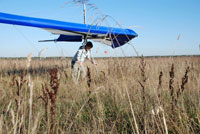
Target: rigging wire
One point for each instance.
(27, 40)
(64, 52)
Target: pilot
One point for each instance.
(77, 67)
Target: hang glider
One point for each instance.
(73, 32)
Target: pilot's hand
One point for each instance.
(81, 63)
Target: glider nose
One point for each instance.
(132, 33)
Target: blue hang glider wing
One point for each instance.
(73, 32)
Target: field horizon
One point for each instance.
(69, 57)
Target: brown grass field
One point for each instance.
(156, 95)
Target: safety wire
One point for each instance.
(64, 52)
(27, 40)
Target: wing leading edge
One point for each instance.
(74, 32)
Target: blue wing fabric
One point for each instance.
(70, 38)
(72, 31)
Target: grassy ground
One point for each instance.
(131, 95)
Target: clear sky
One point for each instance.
(157, 22)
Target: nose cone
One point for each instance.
(132, 33)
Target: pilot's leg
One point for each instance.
(83, 72)
(74, 70)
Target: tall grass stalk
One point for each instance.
(30, 85)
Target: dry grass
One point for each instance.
(131, 95)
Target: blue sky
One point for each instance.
(157, 22)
